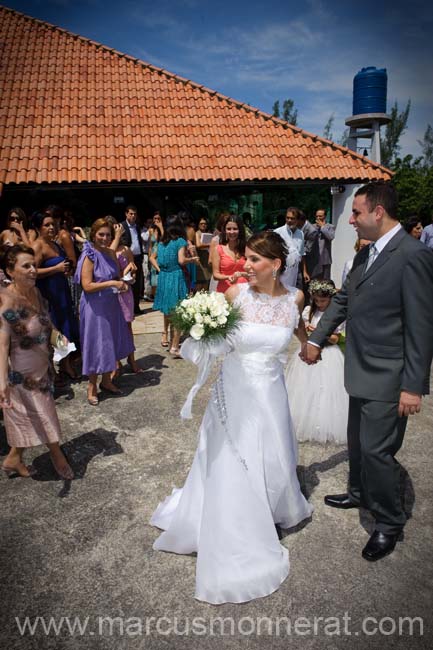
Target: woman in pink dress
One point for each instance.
(228, 258)
(128, 271)
(26, 373)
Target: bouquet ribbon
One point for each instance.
(203, 354)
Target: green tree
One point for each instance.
(344, 139)
(426, 145)
(290, 113)
(327, 131)
(389, 146)
(414, 183)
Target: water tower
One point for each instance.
(369, 110)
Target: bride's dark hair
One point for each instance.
(271, 245)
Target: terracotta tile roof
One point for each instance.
(72, 110)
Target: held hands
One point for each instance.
(310, 354)
(410, 403)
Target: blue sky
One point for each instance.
(259, 51)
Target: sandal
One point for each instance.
(164, 342)
(175, 353)
(25, 471)
(92, 399)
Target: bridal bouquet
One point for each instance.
(205, 316)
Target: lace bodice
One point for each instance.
(261, 308)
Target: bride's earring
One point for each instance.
(274, 274)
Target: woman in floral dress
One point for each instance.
(26, 374)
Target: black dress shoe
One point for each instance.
(340, 501)
(379, 545)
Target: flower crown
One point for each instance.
(325, 287)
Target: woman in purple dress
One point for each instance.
(105, 336)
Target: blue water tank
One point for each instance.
(369, 91)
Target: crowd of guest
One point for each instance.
(88, 287)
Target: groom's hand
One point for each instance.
(410, 403)
(310, 353)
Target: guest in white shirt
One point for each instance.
(293, 236)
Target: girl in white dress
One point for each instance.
(318, 400)
(243, 478)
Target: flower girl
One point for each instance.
(318, 400)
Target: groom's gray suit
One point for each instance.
(388, 311)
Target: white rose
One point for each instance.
(222, 320)
(213, 324)
(198, 318)
(196, 331)
(217, 310)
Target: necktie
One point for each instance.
(372, 254)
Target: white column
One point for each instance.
(345, 234)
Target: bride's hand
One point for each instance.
(310, 354)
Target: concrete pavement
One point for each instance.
(83, 551)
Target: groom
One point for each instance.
(387, 304)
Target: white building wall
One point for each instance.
(345, 234)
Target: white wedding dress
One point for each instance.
(243, 478)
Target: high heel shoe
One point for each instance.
(175, 353)
(15, 471)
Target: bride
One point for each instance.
(243, 478)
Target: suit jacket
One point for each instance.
(128, 238)
(389, 321)
(311, 247)
(326, 235)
